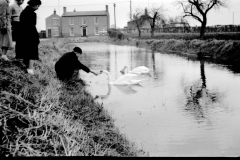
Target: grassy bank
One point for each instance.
(188, 36)
(40, 116)
(214, 46)
(213, 49)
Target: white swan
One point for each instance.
(126, 79)
(137, 70)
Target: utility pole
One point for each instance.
(58, 8)
(233, 18)
(130, 10)
(148, 4)
(115, 16)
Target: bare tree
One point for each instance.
(155, 14)
(138, 20)
(198, 9)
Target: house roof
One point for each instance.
(55, 15)
(84, 13)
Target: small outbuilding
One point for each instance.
(53, 26)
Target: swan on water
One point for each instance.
(126, 79)
(137, 70)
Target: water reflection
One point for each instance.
(232, 66)
(165, 114)
(100, 88)
(198, 96)
(123, 89)
(155, 73)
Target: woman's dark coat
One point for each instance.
(28, 39)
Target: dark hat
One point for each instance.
(34, 2)
(77, 49)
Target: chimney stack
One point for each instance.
(54, 11)
(146, 11)
(64, 9)
(106, 8)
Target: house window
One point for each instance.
(55, 22)
(55, 31)
(96, 31)
(71, 32)
(71, 20)
(84, 21)
(96, 20)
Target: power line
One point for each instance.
(86, 4)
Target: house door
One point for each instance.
(49, 33)
(84, 31)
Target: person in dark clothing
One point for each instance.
(68, 65)
(28, 40)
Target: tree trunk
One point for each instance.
(202, 31)
(203, 27)
(152, 32)
(139, 33)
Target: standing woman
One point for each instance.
(5, 28)
(15, 10)
(28, 41)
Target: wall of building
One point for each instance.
(133, 25)
(50, 25)
(78, 25)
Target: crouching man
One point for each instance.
(68, 66)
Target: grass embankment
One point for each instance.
(189, 36)
(215, 49)
(218, 46)
(40, 116)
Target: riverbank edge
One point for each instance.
(216, 50)
(40, 116)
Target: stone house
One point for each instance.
(80, 23)
(132, 26)
(53, 25)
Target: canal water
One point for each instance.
(182, 108)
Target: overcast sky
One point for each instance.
(220, 17)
